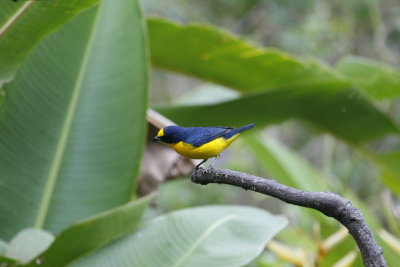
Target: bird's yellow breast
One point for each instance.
(206, 151)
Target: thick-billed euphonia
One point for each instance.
(199, 142)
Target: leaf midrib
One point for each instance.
(14, 18)
(65, 132)
(203, 236)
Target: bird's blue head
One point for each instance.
(170, 135)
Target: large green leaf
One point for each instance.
(3, 247)
(92, 233)
(342, 112)
(24, 23)
(7, 261)
(215, 55)
(378, 79)
(1, 93)
(205, 236)
(28, 243)
(72, 125)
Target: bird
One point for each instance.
(199, 142)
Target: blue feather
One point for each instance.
(197, 136)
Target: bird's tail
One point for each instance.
(238, 130)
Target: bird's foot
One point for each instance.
(209, 168)
(212, 164)
(198, 165)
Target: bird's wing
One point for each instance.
(198, 136)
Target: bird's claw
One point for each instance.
(209, 168)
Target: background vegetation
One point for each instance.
(319, 78)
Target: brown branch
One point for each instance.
(328, 203)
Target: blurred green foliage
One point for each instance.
(329, 31)
(325, 29)
(72, 124)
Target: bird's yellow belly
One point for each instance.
(206, 151)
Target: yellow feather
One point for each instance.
(160, 133)
(206, 151)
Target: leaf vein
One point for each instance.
(14, 18)
(203, 236)
(65, 132)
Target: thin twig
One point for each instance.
(328, 203)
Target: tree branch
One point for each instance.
(330, 204)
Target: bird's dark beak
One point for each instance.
(156, 139)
